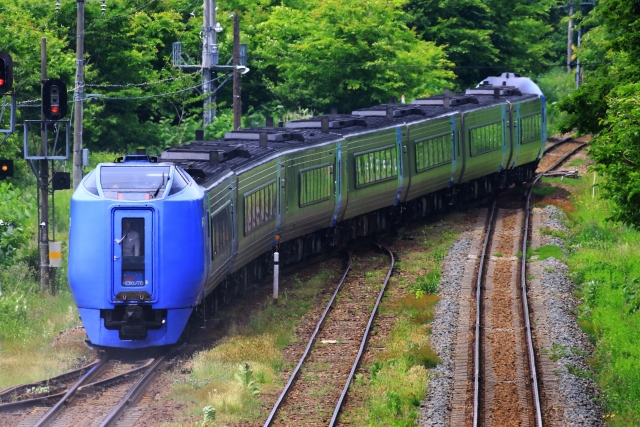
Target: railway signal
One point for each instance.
(54, 99)
(6, 168)
(6, 73)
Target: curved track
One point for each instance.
(504, 357)
(347, 304)
(113, 389)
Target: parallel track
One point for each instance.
(308, 350)
(86, 386)
(534, 393)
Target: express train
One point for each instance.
(153, 239)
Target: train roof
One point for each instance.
(206, 161)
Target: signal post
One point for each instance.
(54, 108)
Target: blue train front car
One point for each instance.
(137, 252)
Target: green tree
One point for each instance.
(487, 37)
(616, 151)
(607, 103)
(346, 54)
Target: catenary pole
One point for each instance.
(78, 95)
(208, 47)
(570, 37)
(237, 106)
(43, 227)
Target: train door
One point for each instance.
(132, 254)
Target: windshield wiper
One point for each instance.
(161, 185)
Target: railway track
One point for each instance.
(497, 382)
(101, 396)
(555, 154)
(317, 387)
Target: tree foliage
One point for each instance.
(311, 54)
(484, 37)
(345, 54)
(608, 103)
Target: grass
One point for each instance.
(605, 264)
(566, 182)
(29, 321)
(30, 347)
(393, 382)
(575, 162)
(547, 251)
(394, 386)
(231, 376)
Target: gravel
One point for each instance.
(571, 347)
(437, 405)
(553, 219)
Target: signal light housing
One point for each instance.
(6, 73)
(54, 99)
(6, 168)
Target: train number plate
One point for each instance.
(133, 278)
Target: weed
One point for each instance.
(498, 255)
(547, 251)
(557, 352)
(428, 283)
(577, 371)
(209, 413)
(244, 375)
(555, 233)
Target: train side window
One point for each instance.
(179, 182)
(315, 185)
(221, 231)
(434, 151)
(485, 138)
(90, 183)
(531, 128)
(376, 166)
(260, 207)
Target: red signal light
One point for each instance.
(1, 82)
(55, 109)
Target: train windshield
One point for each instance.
(134, 183)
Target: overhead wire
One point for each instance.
(24, 104)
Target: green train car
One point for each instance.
(313, 184)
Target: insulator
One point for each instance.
(103, 7)
(57, 6)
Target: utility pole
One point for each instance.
(43, 227)
(570, 36)
(237, 89)
(78, 95)
(208, 47)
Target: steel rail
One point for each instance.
(64, 377)
(557, 144)
(44, 400)
(308, 348)
(53, 412)
(525, 310)
(476, 351)
(363, 343)
(135, 391)
(523, 284)
(564, 157)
